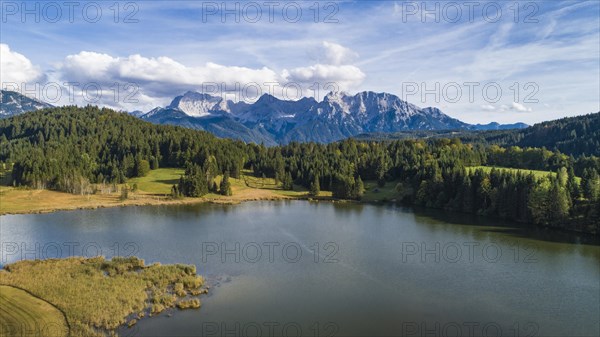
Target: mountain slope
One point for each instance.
(13, 103)
(273, 121)
(219, 125)
(577, 136)
(573, 135)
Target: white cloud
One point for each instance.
(334, 71)
(159, 79)
(336, 54)
(90, 66)
(520, 107)
(16, 70)
(344, 76)
(488, 107)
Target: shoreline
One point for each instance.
(147, 200)
(99, 201)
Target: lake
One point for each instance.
(296, 268)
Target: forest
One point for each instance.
(71, 149)
(578, 136)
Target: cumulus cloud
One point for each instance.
(336, 54)
(344, 76)
(137, 82)
(488, 107)
(334, 71)
(520, 107)
(143, 70)
(16, 70)
(161, 78)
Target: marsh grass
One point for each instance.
(99, 295)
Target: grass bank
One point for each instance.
(23, 314)
(155, 189)
(96, 295)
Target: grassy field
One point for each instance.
(158, 181)
(22, 314)
(488, 169)
(248, 187)
(374, 193)
(99, 295)
(155, 189)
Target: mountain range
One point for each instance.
(13, 103)
(273, 121)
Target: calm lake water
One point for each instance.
(322, 269)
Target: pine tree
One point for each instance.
(225, 187)
(590, 184)
(359, 188)
(315, 187)
(558, 202)
(573, 186)
(288, 182)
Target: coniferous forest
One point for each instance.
(70, 148)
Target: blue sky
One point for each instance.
(549, 50)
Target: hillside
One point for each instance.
(12, 104)
(577, 136)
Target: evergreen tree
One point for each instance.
(141, 167)
(590, 184)
(288, 182)
(359, 189)
(225, 187)
(315, 187)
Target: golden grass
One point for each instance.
(22, 314)
(153, 189)
(536, 173)
(98, 295)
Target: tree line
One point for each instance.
(70, 148)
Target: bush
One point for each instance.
(193, 303)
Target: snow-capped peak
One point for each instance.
(340, 101)
(195, 104)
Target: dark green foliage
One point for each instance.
(577, 136)
(175, 193)
(288, 182)
(225, 188)
(69, 148)
(193, 183)
(315, 187)
(141, 167)
(590, 183)
(99, 145)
